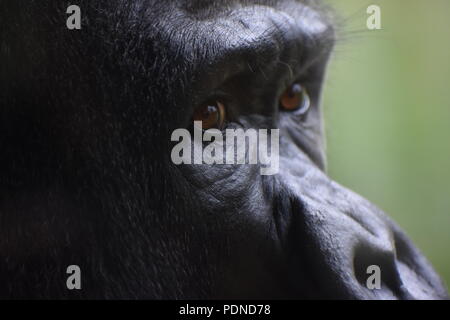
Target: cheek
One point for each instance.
(303, 137)
(221, 179)
(234, 192)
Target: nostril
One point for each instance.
(370, 262)
(418, 277)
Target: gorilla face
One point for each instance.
(87, 178)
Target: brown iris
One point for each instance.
(295, 98)
(212, 115)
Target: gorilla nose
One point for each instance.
(357, 252)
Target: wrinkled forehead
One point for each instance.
(206, 26)
(211, 5)
(197, 10)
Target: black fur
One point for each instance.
(86, 176)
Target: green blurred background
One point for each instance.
(387, 111)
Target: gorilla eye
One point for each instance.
(295, 98)
(212, 115)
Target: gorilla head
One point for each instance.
(86, 175)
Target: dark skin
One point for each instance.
(86, 176)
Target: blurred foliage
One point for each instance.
(387, 111)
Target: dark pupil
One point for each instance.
(209, 111)
(296, 90)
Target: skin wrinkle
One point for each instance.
(91, 112)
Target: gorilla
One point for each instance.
(87, 179)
